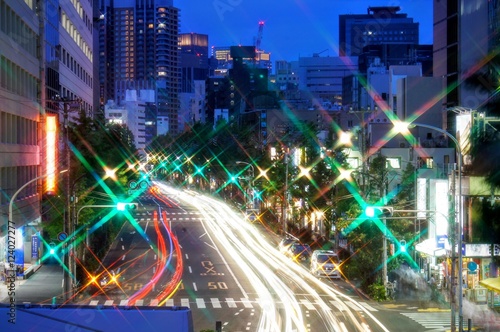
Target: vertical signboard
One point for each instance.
(421, 198)
(51, 154)
(441, 207)
(19, 252)
(34, 246)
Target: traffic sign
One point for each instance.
(62, 236)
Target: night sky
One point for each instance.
(293, 28)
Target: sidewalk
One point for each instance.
(43, 284)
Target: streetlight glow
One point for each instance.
(401, 126)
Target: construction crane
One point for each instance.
(318, 54)
(258, 40)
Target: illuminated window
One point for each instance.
(393, 162)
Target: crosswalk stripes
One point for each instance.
(217, 303)
(307, 304)
(246, 303)
(200, 303)
(431, 320)
(339, 305)
(185, 303)
(231, 303)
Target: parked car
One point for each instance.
(325, 262)
(299, 251)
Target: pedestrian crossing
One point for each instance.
(439, 321)
(184, 216)
(216, 303)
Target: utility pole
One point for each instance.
(68, 271)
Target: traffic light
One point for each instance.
(122, 206)
(402, 245)
(52, 248)
(378, 211)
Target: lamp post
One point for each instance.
(252, 181)
(10, 221)
(96, 206)
(363, 146)
(67, 215)
(452, 222)
(73, 222)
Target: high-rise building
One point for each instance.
(322, 76)
(461, 45)
(381, 25)
(46, 64)
(260, 58)
(20, 116)
(138, 42)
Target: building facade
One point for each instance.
(381, 25)
(47, 62)
(138, 42)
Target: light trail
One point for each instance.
(259, 260)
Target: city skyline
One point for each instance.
(236, 22)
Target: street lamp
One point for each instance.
(252, 181)
(10, 222)
(120, 206)
(384, 210)
(460, 221)
(67, 154)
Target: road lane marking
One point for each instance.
(246, 303)
(230, 302)
(200, 303)
(339, 305)
(367, 306)
(353, 305)
(124, 303)
(169, 303)
(307, 304)
(194, 286)
(185, 303)
(215, 303)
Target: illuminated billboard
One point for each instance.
(464, 132)
(441, 206)
(51, 154)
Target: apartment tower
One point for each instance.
(138, 46)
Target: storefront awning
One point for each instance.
(491, 283)
(429, 248)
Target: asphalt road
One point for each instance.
(216, 286)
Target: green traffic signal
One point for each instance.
(373, 211)
(122, 206)
(403, 247)
(52, 249)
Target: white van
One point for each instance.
(325, 262)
